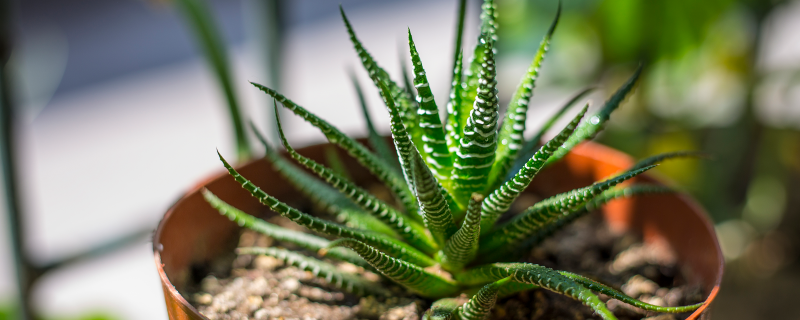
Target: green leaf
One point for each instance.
(462, 12)
(613, 293)
(302, 239)
(594, 124)
(197, 13)
(442, 309)
(561, 221)
(409, 230)
(538, 216)
(510, 138)
(501, 198)
(461, 248)
(432, 201)
(434, 148)
(407, 107)
(476, 149)
(377, 166)
(453, 127)
(376, 141)
(479, 307)
(391, 246)
(536, 275)
(470, 84)
(408, 275)
(323, 195)
(341, 280)
(530, 145)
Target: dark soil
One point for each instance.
(248, 287)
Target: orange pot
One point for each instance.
(192, 233)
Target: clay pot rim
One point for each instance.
(594, 151)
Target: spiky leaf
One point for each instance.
(480, 305)
(477, 146)
(530, 145)
(341, 280)
(443, 309)
(408, 229)
(302, 239)
(379, 167)
(391, 246)
(321, 194)
(611, 292)
(407, 107)
(432, 201)
(408, 275)
(539, 215)
(537, 275)
(561, 221)
(434, 148)
(500, 200)
(510, 139)
(594, 124)
(461, 248)
(453, 126)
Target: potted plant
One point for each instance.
(447, 236)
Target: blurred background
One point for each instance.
(113, 108)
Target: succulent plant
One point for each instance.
(451, 184)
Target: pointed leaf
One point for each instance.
(443, 309)
(501, 198)
(434, 148)
(613, 293)
(331, 274)
(406, 106)
(432, 202)
(470, 84)
(594, 124)
(530, 145)
(510, 138)
(408, 275)
(476, 149)
(479, 307)
(453, 127)
(461, 248)
(537, 275)
(376, 141)
(563, 220)
(302, 239)
(321, 194)
(538, 216)
(409, 230)
(393, 247)
(375, 165)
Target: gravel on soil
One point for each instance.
(261, 287)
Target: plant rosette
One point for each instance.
(446, 233)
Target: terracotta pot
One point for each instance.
(192, 233)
